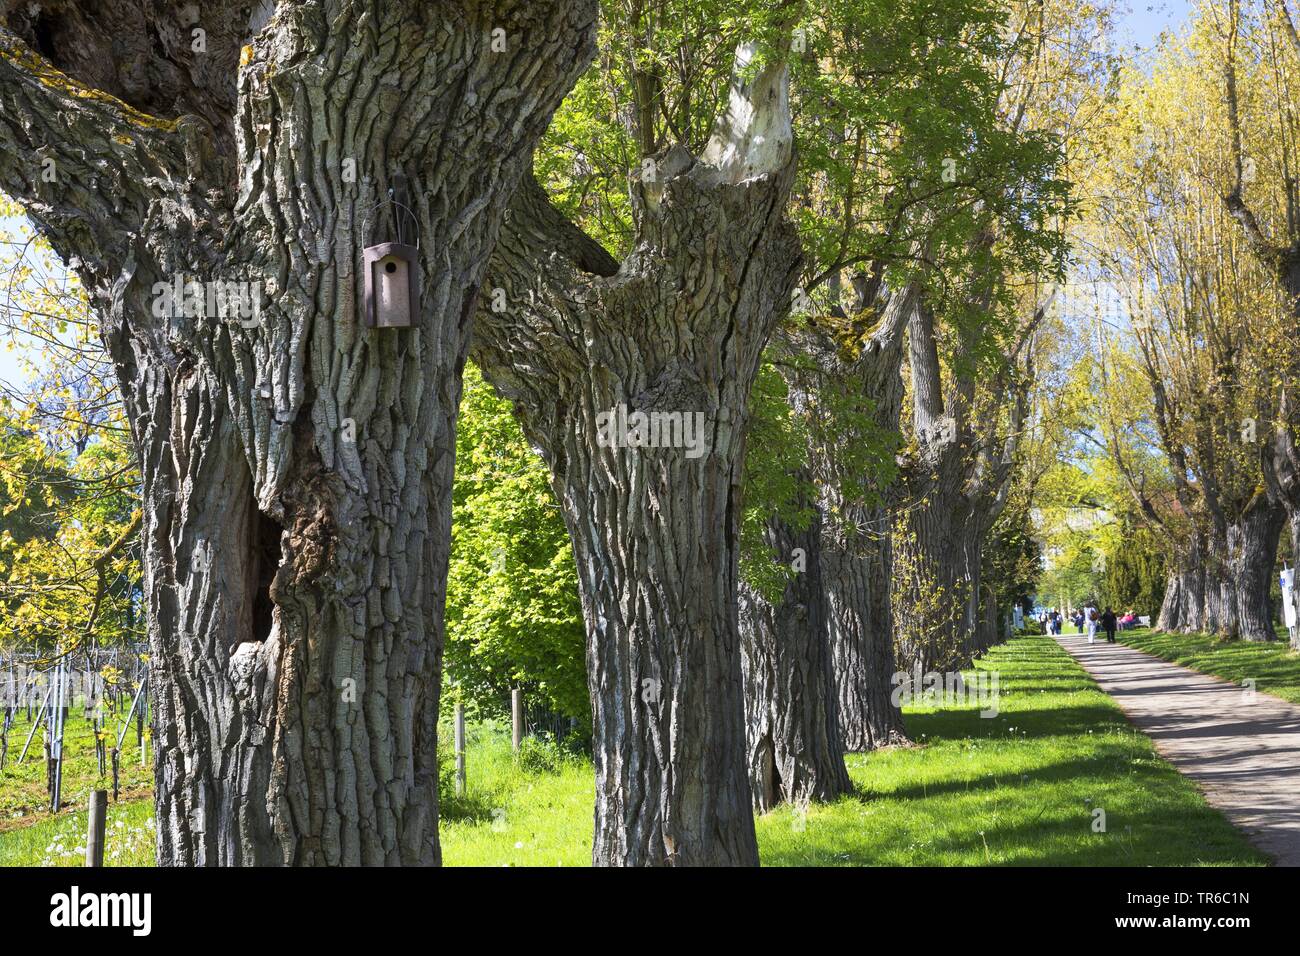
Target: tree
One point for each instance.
(296, 466)
(901, 141)
(1135, 572)
(633, 380)
(1204, 341)
(1260, 193)
(793, 746)
(971, 341)
(851, 394)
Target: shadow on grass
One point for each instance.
(466, 808)
(1057, 836)
(1048, 722)
(1273, 666)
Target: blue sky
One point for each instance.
(1142, 22)
(8, 362)
(1138, 26)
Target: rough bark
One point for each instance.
(679, 328)
(793, 737)
(1220, 611)
(1293, 522)
(956, 483)
(1252, 554)
(856, 550)
(858, 554)
(1282, 476)
(987, 632)
(1192, 584)
(862, 645)
(1220, 579)
(934, 584)
(1171, 609)
(297, 468)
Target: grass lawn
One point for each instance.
(1016, 789)
(61, 841)
(1273, 666)
(31, 836)
(1020, 788)
(23, 797)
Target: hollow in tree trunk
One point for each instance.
(296, 465)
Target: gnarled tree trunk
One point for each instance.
(793, 737)
(1171, 609)
(856, 553)
(675, 332)
(933, 587)
(1220, 613)
(1293, 523)
(862, 645)
(1252, 553)
(297, 465)
(956, 482)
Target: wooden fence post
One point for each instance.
(95, 828)
(517, 716)
(460, 750)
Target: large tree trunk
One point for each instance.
(678, 331)
(297, 465)
(1171, 609)
(1294, 527)
(1193, 587)
(792, 732)
(1220, 614)
(987, 632)
(1183, 609)
(862, 644)
(1293, 523)
(1252, 554)
(932, 586)
(856, 555)
(975, 535)
(1282, 481)
(957, 479)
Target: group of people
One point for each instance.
(1088, 620)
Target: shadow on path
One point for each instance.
(1241, 748)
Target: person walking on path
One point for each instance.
(1108, 622)
(1090, 622)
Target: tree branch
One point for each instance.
(1270, 254)
(83, 164)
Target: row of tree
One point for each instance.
(858, 329)
(1192, 224)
